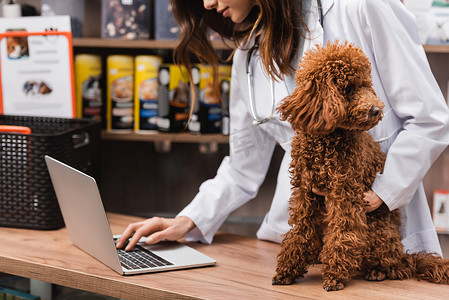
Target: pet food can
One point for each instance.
(88, 78)
(146, 92)
(211, 98)
(174, 98)
(194, 122)
(120, 92)
(225, 86)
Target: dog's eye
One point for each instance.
(348, 90)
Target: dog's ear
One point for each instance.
(314, 107)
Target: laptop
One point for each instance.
(89, 230)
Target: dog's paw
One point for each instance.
(333, 285)
(279, 279)
(376, 275)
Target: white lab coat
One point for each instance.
(413, 132)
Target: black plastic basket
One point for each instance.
(27, 197)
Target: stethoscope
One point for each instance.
(256, 119)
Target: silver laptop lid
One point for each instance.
(83, 212)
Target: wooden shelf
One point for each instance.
(442, 231)
(140, 44)
(171, 44)
(436, 48)
(182, 137)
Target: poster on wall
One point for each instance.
(36, 67)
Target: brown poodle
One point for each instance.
(330, 110)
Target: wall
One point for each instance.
(138, 180)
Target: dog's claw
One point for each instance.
(376, 275)
(280, 280)
(333, 285)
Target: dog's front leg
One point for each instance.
(302, 244)
(344, 238)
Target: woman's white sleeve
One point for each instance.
(413, 95)
(240, 174)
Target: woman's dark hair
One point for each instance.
(279, 23)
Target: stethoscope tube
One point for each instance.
(256, 119)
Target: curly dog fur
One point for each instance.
(330, 110)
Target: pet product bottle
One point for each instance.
(120, 91)
(210, 111)
(194, 122)
(174, 98)
(146, 92)
(88, 77)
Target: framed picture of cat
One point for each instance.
(36, 72)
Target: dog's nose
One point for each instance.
(375, 111)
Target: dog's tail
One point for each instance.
(428, 266)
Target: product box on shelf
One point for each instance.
(174, 98)
(439, 29)
(146, 92)
(127, 19)
(213, 100)
(441, 210)
(165, 25)
(120, 92)
(225, 87)
(88, 79)
(74, 9)
(27, 197)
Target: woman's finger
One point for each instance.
(126, 234)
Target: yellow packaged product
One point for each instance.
(120, 92)
(88, 76)
(213, 104)
(174, 98)
(146, 90)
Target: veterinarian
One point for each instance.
(272, 35)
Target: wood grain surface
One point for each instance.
(244, 270)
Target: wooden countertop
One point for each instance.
(244, 270)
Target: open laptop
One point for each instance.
(89, 230)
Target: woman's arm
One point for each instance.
(413, 94)
(241, 173)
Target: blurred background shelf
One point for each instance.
(436, 48)
(179, 137)
(171, 44)
(137, 44)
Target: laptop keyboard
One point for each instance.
(141, 258)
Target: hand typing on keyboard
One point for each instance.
(155, 229)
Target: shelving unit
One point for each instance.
(184, 137)
(170, 45)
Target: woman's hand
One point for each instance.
(155, 229)
(371, 200)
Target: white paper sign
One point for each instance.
(36, 67)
